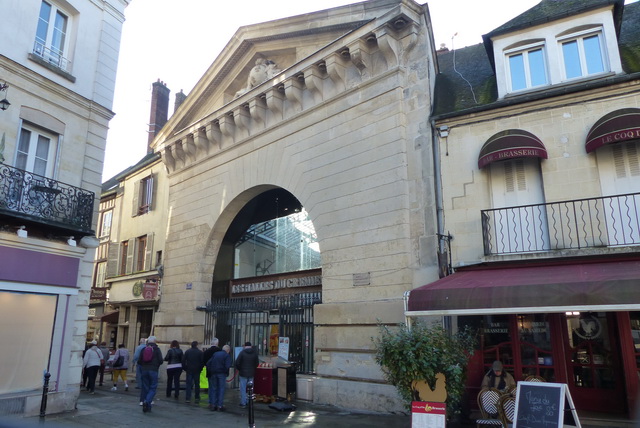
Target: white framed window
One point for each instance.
(51, 42)
(36, 151)
(105, 224)
(583, 54)
(143, 196)
(101, 272)
(527, 67)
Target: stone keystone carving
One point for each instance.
(264, 70)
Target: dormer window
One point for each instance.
(527, 66)
(583, 54)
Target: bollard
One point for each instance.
(45, 391)
(250, 397)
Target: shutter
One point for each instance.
(152, 191)
(148, 263)
(112, 259)
(130, 252)
(520, 175)
(618, 161)
(135, 205)
(508, 177)
(634, 159)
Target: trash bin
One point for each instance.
(286, 382)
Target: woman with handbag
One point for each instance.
(91, 363)
(120, 366)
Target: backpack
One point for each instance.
(147, 354)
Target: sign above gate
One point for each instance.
(273, 283)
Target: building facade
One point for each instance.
(132, 228)
(58, 74)
(301, 202)
(538, 152)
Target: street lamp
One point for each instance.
(4, 104)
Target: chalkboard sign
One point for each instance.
(542, 405)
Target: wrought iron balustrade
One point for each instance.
(51, 55)
(43, 200)
(583, 223)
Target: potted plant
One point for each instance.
(421, 352)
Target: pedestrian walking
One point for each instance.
(136, 356)
(105, 358)
(246, 364)
(85, 377)
(91, 362)
(219, 366)
(120, 367)
(174, 368)
(192, 364)
(150, 361)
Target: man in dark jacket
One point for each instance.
(246, 364)
(149, 371)
(208, 353)
(192, 364)
(218, 366)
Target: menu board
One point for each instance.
(425, 414)
(542, 405)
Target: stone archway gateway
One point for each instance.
(342, 131)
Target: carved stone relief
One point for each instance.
(264, 70)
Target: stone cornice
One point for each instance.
(372, 49)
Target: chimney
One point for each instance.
(180, 97)
(159, 110)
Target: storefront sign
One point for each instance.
(544, 405)
(276, 284)
(99, 294)
(150, 290)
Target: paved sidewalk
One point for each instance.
(121, 409)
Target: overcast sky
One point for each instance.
(177, 40)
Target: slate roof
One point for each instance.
(112, 183)
(473, 67)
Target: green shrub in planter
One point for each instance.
(420, 353)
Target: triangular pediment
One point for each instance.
(280, 44)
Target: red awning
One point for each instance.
(615, 127)
(585, 286)
(511, 144)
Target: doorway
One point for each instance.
(594, 367)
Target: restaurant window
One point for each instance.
(583, 54)
(141, 251)
(527, 67)
(536, 353)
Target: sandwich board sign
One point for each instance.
(544, 405)
(425, 414)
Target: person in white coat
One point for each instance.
(91, 363)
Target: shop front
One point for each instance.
(586, 339)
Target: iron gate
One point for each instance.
(262, 320)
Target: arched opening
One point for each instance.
(267, 279)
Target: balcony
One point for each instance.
(607, 221)
(36, 199)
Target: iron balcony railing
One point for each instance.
(51, 55)
(42, 200)
(583, 223)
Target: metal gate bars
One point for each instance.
(265, 321)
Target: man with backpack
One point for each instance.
(149, 361)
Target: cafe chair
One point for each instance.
(534, 378)
(488, 404)
(507, 410)
(511, 390)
